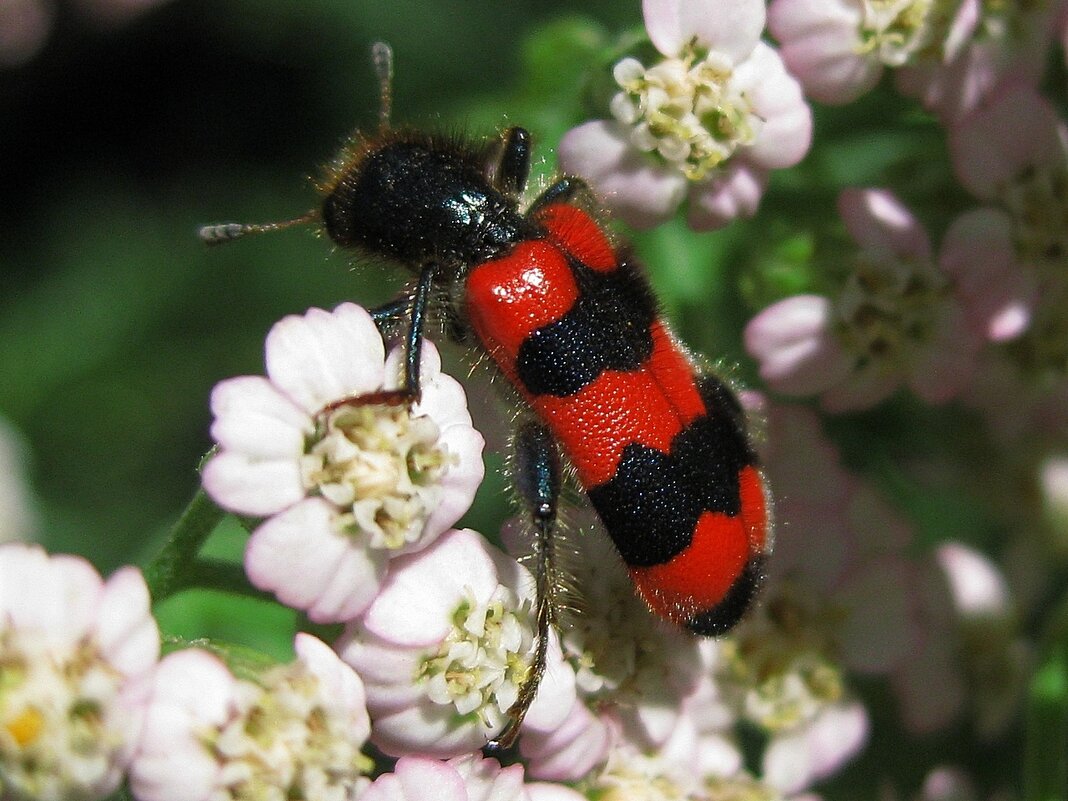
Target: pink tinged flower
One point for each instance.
(296, 732)
(1013, 153)
(795, 760)
(794, 341)
(706, 122)
(973, 51)
(571, 750)
(78, 657)
(466, 778)
(968, 652)
(445, 647)
(1016, 133)
(628, 664)
(996, 292)
(893, 322)
(977, 587)
(822, 44)
(344, 485)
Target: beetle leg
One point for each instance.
(564, 190)
(386, 318)
(513, 162)
(537, 480)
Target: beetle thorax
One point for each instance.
(416, 202)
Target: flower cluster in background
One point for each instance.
(705, 123)
(906, 337)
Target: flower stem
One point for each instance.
(1046, 735)
(168, 572)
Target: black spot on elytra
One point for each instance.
(651, 505)
(606, 329)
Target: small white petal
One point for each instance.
(836, 736)
(627, 70)
(423, 588)
(56, 599)
(193, 691)
(323, 357)
(641, 193)
(880, 223)
(255, 418)
(731, 193)
(126, 630)
(785, 133)
(556, 693)
(978, 587)
(794, 342)
(299, 556)
(421, 730)
(731, 29)
(340, 682)
(249, 486)
(417, 778)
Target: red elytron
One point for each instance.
(659, 448)
(659, 445)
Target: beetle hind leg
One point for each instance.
(537, 473)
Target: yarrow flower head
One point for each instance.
(896, 319)
(345, 483)
(76, 661)
(840, 600)
(446, 646)
(969, 656)
(709, 120)
(1012, 153)
(294, 732)
(949, 54)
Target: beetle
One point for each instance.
(659, 444)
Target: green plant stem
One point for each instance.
(169, 571)
(1046, 735)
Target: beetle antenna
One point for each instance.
(219, 233)
(382, 59)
